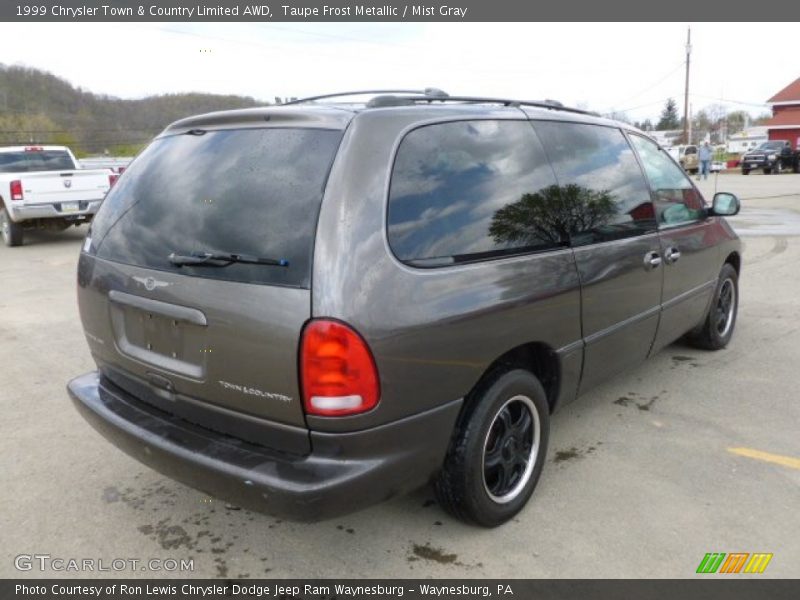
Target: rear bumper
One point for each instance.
(52, 210)
(344, 472)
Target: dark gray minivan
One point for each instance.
(308, 309)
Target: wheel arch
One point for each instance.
(734, 259)
(538, 358)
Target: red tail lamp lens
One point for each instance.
(16, 190)
(337, 371)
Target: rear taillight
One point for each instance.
(112, 179)
(16, 190)
(337, 371)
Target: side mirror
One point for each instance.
(725, 205)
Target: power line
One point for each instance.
(661, 101)
(742, 102)
(692, 95)
(657, 83)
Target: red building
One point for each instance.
(785, 121)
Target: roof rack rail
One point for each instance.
(380, 101)
(429, 92)
(391, 98)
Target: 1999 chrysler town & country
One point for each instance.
(307, 309)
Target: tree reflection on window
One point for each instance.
(554, 214)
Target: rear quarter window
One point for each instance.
(244, 191)
(469, 190)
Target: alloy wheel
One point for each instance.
(510, 449)
(726, 303)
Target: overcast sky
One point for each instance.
(623, 67)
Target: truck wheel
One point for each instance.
(10, 231)
(717, 329)
(497, 451)
(767, 170)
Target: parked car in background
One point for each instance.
(686, 155)
(310, 308)
(774, 156)
(43, 187)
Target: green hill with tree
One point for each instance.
(38, 107)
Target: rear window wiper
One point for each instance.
(222, 259)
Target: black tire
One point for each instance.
(494, 416)
(745, 171)
(10, 232)
(715, 333)
(767, 171)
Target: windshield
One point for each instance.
(254, 192)
(25, 161)
(771, 146)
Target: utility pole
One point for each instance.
(686, 90)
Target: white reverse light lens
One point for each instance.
(336, 402)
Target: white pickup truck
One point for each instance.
(44, 187)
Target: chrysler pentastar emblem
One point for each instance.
(67, 183)
(150, 283)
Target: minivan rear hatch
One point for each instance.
(195, 282)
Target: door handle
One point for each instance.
(672, 255)
(652, 260)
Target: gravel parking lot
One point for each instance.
(692, 452)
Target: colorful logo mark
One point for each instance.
(736, 562)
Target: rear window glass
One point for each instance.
(254, 192)
(44, 160)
